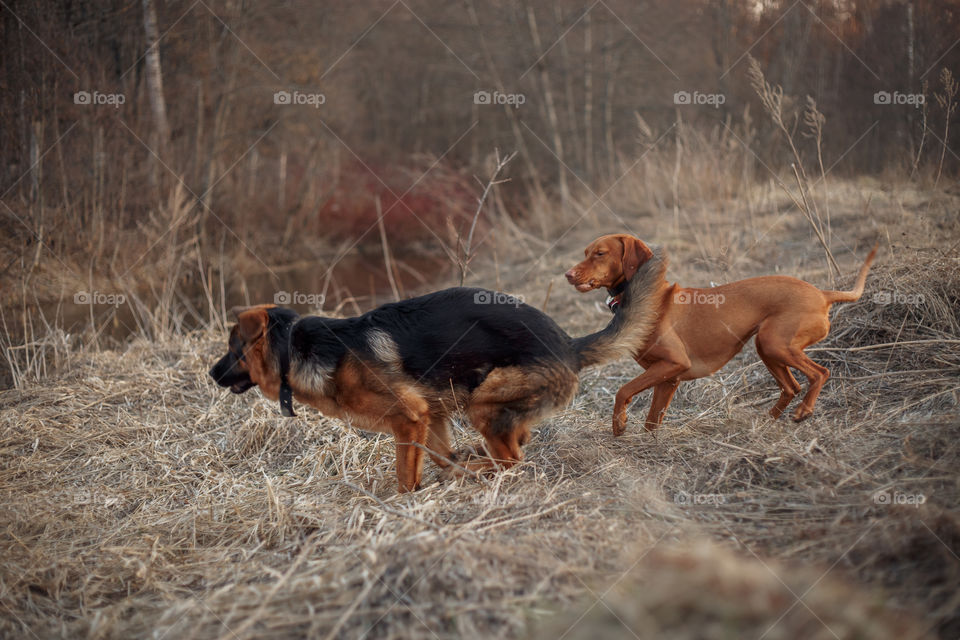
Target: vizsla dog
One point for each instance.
(700, 330)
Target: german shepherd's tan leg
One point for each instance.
(508, 403)
(438, 441)
(411, 437)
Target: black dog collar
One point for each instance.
(286, 398)
(286, 392)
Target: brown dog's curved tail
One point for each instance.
(634, 321)
(854, 294)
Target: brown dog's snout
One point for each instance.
(571, 276)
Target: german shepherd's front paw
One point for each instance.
(451, 472)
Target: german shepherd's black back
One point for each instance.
(455, 336)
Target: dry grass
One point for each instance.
(139, 500)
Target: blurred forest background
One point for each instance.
(199, 148)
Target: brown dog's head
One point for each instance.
(250, 360)
(610, 261)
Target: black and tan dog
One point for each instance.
(406, 367)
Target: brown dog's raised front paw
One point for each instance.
(802, 413)
(619, 422)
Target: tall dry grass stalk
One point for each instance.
(771, 97)
(466, 249)
(950, 88)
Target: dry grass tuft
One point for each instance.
(702, 591)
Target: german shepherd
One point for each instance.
(406, 367)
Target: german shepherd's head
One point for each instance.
(257, 344)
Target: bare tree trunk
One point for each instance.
(154, 73)
(282, 180)
(161, 132)
(572, 120)
(611, 64)
(36, 185)
(911, 113)
(588, 96)
(508, 110)
(721, 46)
(551, 109)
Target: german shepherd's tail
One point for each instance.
(854, 294)
(634, 321)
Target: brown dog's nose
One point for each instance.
(571, 276)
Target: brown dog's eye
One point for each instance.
(599, 253)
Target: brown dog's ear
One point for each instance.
(635, 253)
(252, 322)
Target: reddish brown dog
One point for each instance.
(700, 330)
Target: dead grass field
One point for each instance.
(140, 500)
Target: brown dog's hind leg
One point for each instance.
(780, 344)
(817, 376)
(789, 387)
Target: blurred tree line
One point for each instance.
(577, 89)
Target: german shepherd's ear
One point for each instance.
(635, 253)
(252, 321)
